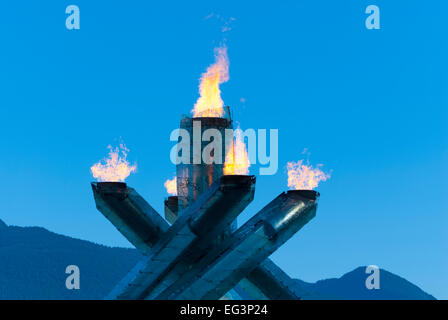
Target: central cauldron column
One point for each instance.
(195, 178)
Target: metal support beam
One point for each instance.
(198, 227)
(129, 213)
(143, 227)
(221, 270)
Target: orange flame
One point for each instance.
(171, 186)
(210, 104)
(304, 177)
(115, 168)
(237, 160)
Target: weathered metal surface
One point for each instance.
(195, 230)
(223, 268)
(255, 286)
(238, 192)
(268, 281)
(196, 177)
(129, 213)
(171, 209)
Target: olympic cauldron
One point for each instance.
(197, 251)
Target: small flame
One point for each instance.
(115, 168)
(304, 177)
(237, 160)
(171, 186)
(210, 104)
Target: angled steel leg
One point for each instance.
(144, 227)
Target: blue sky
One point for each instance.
(371, 105)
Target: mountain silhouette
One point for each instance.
(351, 286)
(34, 260)
(33, 263)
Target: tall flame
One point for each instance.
(237, 160)
(116, 168)
(171, 186)
(210, 104)
(304, 177)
